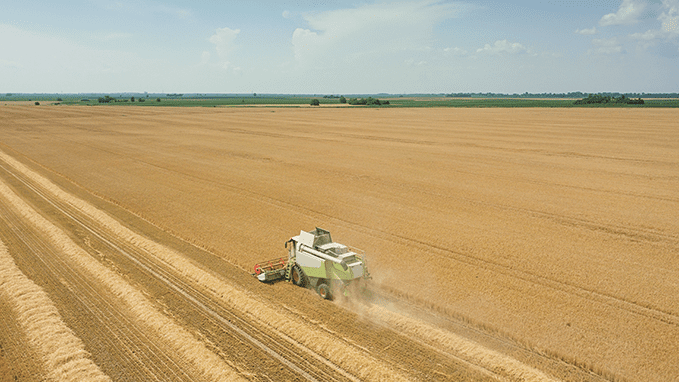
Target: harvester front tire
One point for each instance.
(324, 291)
(298, 276)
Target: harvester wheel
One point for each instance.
(324, 291)
(298, 276)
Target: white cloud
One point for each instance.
(647, 36)
(646, 40)
(303, 41)
(286, 14)
(627, 14)
(670, 18)
(669, 27)
(503, 47)
(586, 31)
(224, 43)
(454, 52)
(369, 32)
(606, 46)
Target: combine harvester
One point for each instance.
(316, 262)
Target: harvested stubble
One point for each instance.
(203, 362)
(446, 341)
(556, 228)
(362, 364)
(63, 354)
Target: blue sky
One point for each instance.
(339, 47)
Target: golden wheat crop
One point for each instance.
(553, 228)
(63, 353)
(204, 362)
(350, 358)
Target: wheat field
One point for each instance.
(549, 237)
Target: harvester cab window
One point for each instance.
(322, 240)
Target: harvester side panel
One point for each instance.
(356, 269)
(313, 266)
(335, 271)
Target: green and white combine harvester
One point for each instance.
(316, 262)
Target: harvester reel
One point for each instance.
(298, 276)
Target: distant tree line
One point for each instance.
(106, 99)
(603, 99)
(560, 95)
(370, 101)
(577, 95)
(109, 99)
(367, 101)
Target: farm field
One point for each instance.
(505, 244)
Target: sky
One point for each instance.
(339, 47)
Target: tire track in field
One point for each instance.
(457, 346)
(646, 234)
(475, 357)
(348, 357)
(473, 145)
(203, 303)
(115, 334)
(203, 362)
(654, 313)
(446, 253)
(158, 272)
(559, 285)
(425, 327)
(63, 354)
(205, 306)
(639, 308)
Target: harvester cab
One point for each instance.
(316, 262)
